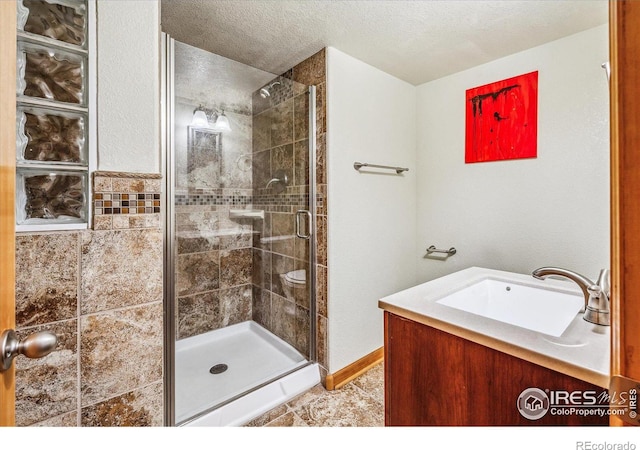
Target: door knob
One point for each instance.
(36, 345)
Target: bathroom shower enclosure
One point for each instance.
(239, 232)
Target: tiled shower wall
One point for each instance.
(280, 144)
(280, 149)
(212, 177)
(230, 270)
(312, 71)
(100, 291)
(214, 264)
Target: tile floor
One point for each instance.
(360, 403)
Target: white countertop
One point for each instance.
(582, 351)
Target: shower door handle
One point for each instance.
(298, 233)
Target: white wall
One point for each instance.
(129, 85)
(521, 214)
(370, 118)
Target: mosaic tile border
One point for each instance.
(124, 200)
(126, 203)
(244, 200)
(296, 199)
(211, 199)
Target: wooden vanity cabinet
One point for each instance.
(433, 378)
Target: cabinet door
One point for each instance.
(433, 378)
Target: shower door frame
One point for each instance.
(168, 195)
(169, 228)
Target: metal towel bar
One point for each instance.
(433, 249)
(359, 165)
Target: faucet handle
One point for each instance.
(604, 281)
(597, 310)
(595, 291)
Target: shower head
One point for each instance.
(265, 91)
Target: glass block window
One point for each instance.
(45, 134)
(52, 120)
(46, 196)
(52, 75)
(64, 21)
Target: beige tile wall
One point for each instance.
(100, 291)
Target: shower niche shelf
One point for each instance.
(246, 214)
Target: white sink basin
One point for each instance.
(537, 321)
(531, 306)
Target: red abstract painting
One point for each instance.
(502, 120)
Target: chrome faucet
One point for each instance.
(596, 295)
(280, 177)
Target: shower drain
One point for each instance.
(218, 368)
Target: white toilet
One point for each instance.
(294, 283)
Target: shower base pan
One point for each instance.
(214, 370)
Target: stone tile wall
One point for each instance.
(100, 291)
(214, 266)
(280, 143)
(212, 176)
(312, 71)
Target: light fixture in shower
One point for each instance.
(222, 123)
(266, 91)
(199, 119)
(204, 117)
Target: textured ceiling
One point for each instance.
(416, 41)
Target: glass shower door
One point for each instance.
(239, 225)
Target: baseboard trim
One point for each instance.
(343, 376)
